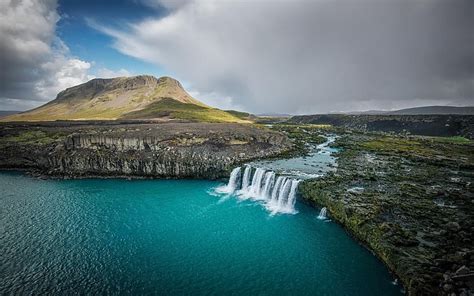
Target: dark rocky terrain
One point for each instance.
(135, 149)
(411, 201)
(427, 125)
(408, 198)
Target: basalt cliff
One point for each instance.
(160, 150)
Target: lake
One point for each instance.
(170, 237)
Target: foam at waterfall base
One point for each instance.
(277, 194)
(323, 214)
(231, 185)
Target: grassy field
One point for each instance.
(32, 137)
(173, 109)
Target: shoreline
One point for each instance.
(35, 173)
(358, 240)
(396, 213)
(44, 176)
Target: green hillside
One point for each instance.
(172, 109)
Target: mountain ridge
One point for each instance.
(422, 110)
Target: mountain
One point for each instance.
(425, 110)
(274, 115)
(434, 110)
(6, 113)
(368, 112)
(138, 97)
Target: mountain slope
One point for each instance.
(139, 97)
(171, 108)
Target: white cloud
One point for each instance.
(65, 72)
(108, 73)
(312, 56)
(215, 100)
(36, 65)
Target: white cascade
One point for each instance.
(256, 187)
(269, 182)
(276, 189)
(246, 178)
(232, 184)
(283, 196)
(277, 193)
(322, 214)
(290, 204)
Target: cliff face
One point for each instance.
(168, 150)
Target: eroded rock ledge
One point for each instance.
(162, 150)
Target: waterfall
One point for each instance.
(246, 178)
(232, 184)
(322, 214)
(278, 194)
(269, 180)
(292, 196)
(256, 187)
(283, 194)
(234, 178)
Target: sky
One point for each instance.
(280, 56)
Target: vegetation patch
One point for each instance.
(168, 107)
(450, 140)
(32, 137)
(302, 136)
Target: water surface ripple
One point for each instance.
(170, 237)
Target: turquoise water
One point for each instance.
(318, 162)
(170, 237)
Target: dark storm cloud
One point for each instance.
(34, 62)
(315, 56)
(24, 43)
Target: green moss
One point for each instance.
(437, 149)
(238, 114)
(398, 145)
(450, 140)
(171, 108)
(32, 137)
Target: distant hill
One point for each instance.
(242, 115)
(435, 110)
(138, 97)
(6, 113)
(425, 110)
(444, 125)
(274, 115)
